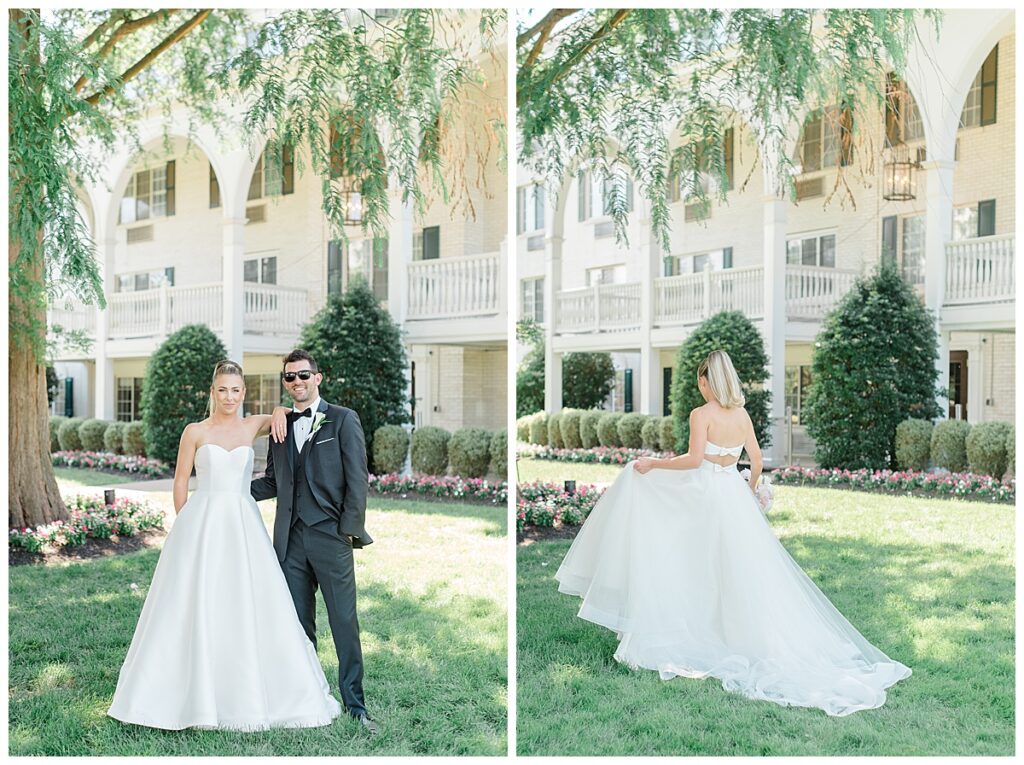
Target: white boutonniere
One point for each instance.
(319, 419)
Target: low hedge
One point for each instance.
(134, 439)
(469, 452)
(986, 448)
(390, 447)
(430, 450)
(569, 427)
(630, 427)
(113, 438)
(539, 429)
(555, 430)
(499, 453)
(666, 434)
(588, 428)
(1011, 451)
(67, 435)
(949, 445)
(523, 428)
(913, 444)
(608, 429)
(55, 422)
(649, 433)
(90, 433)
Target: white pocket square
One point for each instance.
(324, 441)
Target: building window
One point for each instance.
(335, 281)
(260, 270)
(912, 252)
(606, 275)
(980, 104)
(826, 139)
(594, 192)
(426, 243)
(529, 208)
(150, 194)
(533, 299)
(262, 394)
(675, 265)
(975, 220)
(144, 280)
(678, 188)
(129, 399)
(902, 118)
(214, 188)
(798, 382)
(368, 259)
(812, 251)
(273, 175)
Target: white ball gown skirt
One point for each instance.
(218, 644)
(685, 568)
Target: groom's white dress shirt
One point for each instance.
(303, 425)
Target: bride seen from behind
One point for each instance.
(678, 559)
(218, 643)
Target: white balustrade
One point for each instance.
(980, 270)
(680, 299)
(72, 317)
(812, 291)
(273, 310)
(445, 288)
(198, 304)
(618, 305)
(134, 314)
(737, 289)
(602, 307)
(576, 310)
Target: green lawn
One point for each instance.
(552, 470)
(432, 612)
(84, 477)
(930, 582)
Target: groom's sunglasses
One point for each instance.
(304, 374)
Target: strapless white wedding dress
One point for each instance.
(218, 644)
(685, 568)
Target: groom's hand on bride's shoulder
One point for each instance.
(279, 424)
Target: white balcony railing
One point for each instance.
(980, 270)
(446, 288)
(812, 291)
(603, 307)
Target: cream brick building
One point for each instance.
(785, 264)
(211, 232)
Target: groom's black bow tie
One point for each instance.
(293, 415)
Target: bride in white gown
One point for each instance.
(678, 559)
(218, 644)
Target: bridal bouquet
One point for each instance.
(764, 492)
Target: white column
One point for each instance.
(650, 363)
(552, 360)
(938, 231)
(104, 378)
(775, 320)
(233, 316)
(399, 257)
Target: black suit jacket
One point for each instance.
(334, 461)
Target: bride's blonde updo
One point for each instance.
(722, 379)
(223, 367)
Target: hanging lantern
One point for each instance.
(898, 181)
(346, 181)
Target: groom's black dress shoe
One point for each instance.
(364, 719)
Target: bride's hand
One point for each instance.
(643, 465)
(279, 424)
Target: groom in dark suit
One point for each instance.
(319, 477)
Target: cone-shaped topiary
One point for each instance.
(732, 332)
(176, 388)
(390, 445)
(587, 379)
(873, 368)
(358, 348)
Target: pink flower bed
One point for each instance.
(604, 455)
(123, 463)
(548, 504)
(962, 485)
(444, 487)
(90, 519)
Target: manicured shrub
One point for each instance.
(667, 434)
(530, 381)
(732, 332)
(587, 379)
(873, 368)
(539, 429)
(569, 428)
(469, 452)
(523, 428)
(608, 429)
(390, 445)
(1011, 451)
(359, 349)
(913, 444)
(588, 428)
(555, 431)
(499, 453)
(113, 437)
(55, 422)
(949, 445)
(90, 433)
(430, 450)
(649, 432)
(176, 388)
(630, 427)
(134, 439)
(986, 448)
(67, 435)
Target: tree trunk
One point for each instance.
(32, 493)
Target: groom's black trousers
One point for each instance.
(318, 556)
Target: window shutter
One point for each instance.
(520, 209)
(169, 185)
(538, 209)
(892, 119)
(987, 217)
(432, 243)
(169, 275)
(988, 87)
(334, 286)
(214, 188)
(845, 136)
(727, 257)
(629, 193)
(287, 170)
(889, 239)
(730, 178)
(811, 153)
(256, 182)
